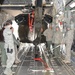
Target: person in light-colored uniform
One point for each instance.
(57, 40)
(48, 33)
(9, 48)
(16, 43)
(68, 40)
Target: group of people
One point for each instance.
(9, 53)
(55, 38)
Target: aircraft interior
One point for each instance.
(30, 18)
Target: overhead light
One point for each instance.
(72, 5)
(24, 10)
(57, 15)
(72, 10)
(51, 3)
(60, 12)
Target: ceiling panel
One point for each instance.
(17, 1)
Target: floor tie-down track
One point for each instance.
(31, 65)
(45, 65)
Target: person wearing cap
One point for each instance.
(57, 39)
(48, 33)
(9, 48)
(68, 40)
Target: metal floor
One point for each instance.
(29, 66)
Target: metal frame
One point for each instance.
(21, 5)
(69, 2)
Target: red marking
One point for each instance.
(60, 23)
(31, 20)
(41, 60)
(48, 68)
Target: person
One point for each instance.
(68, 40)
(57, 40)
(16, 43)
(9, 48)
(43, 38)
(48, 33)
(3, 53)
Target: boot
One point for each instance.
(8, 71)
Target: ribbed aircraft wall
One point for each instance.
(3, 17)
